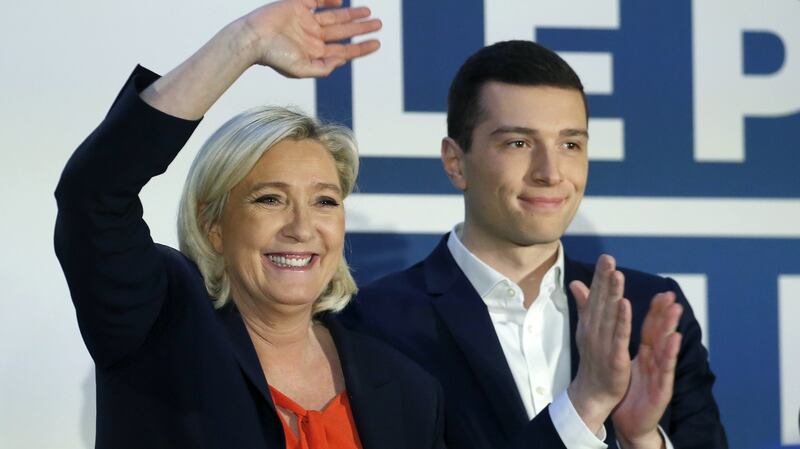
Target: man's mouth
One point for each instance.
(542, 201)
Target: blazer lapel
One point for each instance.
(372, 393)
(244, 350)
(467, 319)
(574, 271)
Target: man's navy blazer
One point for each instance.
(173, 372)
(432, 313)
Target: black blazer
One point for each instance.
(432, 313)
(173, 372)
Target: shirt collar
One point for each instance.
(484, 278)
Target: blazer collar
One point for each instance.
(466, 317)
(243, 349)
(574, 271)
(369, 387)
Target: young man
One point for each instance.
(527, 354)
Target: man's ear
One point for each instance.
(215, 237)
(453, 163)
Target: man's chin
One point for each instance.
(539, 239)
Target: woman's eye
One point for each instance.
(268, 199)
(328, 201)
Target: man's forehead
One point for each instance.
(509, 105)
(498, 90)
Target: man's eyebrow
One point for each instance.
(569, 132)
(514, 130)
(574, 133)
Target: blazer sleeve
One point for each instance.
(115, 275)
(539, 433)
(692, 419)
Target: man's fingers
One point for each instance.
(667, 326)
(671, 350)
(607, 306)
(600, 291)
(343, 31)
(653, 325)
(667, 363)
(581, 293)
(614, 292)
(604, 266)
(622, 329)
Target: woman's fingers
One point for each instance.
(338, 32)
(341, 15)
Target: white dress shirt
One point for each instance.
(532, 341)
(535, 341)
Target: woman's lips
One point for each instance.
(291, 261)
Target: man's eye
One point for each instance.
(518, 144)
(572, 146)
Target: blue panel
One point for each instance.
(764, 53)
(334, 94)
(403, 175)
(438, 36)
(742, 311)
(652, 57)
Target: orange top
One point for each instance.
(330, 428)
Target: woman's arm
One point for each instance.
(119, 279)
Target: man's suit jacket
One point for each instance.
(173, 372)
(431, 313)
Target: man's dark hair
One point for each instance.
(523, 63)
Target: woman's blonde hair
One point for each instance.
(225, 159)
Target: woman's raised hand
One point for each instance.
(298, 40)
(291, 36)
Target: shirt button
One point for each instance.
(511, 292)
(541, 390)
(529, 328)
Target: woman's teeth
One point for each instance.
(289, 261)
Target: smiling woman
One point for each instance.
(234, 341)
(260, 176)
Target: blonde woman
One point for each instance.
(233, 342)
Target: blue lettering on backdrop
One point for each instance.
(652, 92)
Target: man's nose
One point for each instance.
(544, 167)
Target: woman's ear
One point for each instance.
(215, 237)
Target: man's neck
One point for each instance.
(524, 265)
